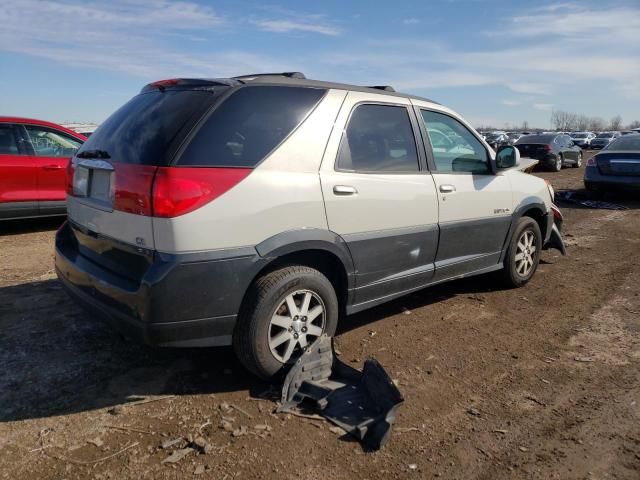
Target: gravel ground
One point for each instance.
(539, 382)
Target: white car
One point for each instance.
(582, 139)
(259, 210)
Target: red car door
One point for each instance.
(18, 174)
(53, 149)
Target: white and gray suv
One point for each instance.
(259, 210)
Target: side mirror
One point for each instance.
(507, 157)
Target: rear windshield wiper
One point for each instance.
(93, 154)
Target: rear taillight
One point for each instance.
(131, 186)
(70, 171)
(591, 162)
(177, 191)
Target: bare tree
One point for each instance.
(616, 123)
(596, 124)
(582, 123)
(525, 125)
(634, 124)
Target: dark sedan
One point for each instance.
(553, 150)
(616, 167)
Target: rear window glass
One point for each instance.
(248, 125)
(536, 139)
(628, 143)
(149, 128)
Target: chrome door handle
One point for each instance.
(447, 188)
(344, 190)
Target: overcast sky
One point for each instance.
(494, 62)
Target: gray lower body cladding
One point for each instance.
(193, 300)
(188, 300)
(29, 209)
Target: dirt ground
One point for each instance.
(540, 382)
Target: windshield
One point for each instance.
(150, 127)
(626, 143)
(579, 135)
(604, 135)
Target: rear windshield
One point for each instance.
(627, 143)
(248, 125)
(535, 139)
(604, 135)
(150, 127)
(579, 135)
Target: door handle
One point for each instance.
(344, 190)
(447, 188)
(52, 167)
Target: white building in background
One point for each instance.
(84, 128)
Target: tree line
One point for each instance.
(573, 122)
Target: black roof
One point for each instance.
(290, 78)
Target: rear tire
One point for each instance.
(523, 253)
(578, 163)
(557, 166)
(283, 313)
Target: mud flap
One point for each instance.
(555, 240)
(364, 404)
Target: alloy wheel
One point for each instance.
(525, 253)
(296, 323)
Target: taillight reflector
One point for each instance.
(591, 162)
(180, 190)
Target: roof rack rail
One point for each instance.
(386, 88)
(298, 75)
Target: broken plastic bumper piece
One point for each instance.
(364, 404)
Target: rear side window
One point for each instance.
(8, 141)
(248, 125)
(149, 128)
(379, 138)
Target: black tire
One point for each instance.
(557, 164)
(578, 163)
(511, 275)
(251, 335)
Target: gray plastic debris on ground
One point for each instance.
(364, 404)
(571, 196)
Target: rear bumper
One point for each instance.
(189, 300)
(593, 179)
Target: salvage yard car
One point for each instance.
(617, 166)
(33, 163)
(258, 210)
(603, 139)
(553, 150)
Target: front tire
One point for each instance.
(523, 253)
(284, 312)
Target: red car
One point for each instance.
(33, 165)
